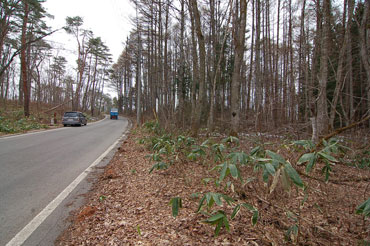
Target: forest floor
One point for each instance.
(129, 206)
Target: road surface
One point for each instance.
(35, 168)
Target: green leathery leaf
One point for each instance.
(276, 156)
(218, 228)
(215, 217)
(326, 170)
(223, 171)
(255, 150)
(226, 223)
(364, 208)
(248, 206)
(311, 163)
(227, 199)
(240, 157)
(265, 175)
(235, 211)
(234, 171)
(270, 169)
(201, 203)
(305, 158)
(210, 200)
(216, 198)
(327, 157)
(293, 175)
(255, 217)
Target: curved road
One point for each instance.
(36, 167)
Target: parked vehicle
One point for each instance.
(74, 118)
(114, 113)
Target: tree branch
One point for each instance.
(57, 106)
(18, 51)
(340, 130)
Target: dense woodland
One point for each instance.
(262, 64)
(266, 63)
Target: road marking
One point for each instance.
(31, 133)
(24, 234)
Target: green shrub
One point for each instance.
(18, 124)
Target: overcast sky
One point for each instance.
(108, 19)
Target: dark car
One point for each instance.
(74, 118)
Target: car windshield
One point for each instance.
(70, 114)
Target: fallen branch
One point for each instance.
(340, 130)
(336, 132)
(354, 180)
(47, 111)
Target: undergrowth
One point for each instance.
(15, 122)
(229, 163)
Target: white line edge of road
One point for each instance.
(26, 232)
(47, 130)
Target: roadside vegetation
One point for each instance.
(285, 179)
(15, 122)
(12, 119)
(168, 188)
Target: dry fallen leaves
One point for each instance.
(129, 206)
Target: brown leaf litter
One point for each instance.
(129, 206)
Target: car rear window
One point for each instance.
(70, 114)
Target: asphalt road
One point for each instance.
(35, 168)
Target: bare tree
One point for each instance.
(239, 25)
(202, 67)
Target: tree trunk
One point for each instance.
(301, 77)
(239, 26)
(24, 66)
(202, 68)
(195, 76)
(364, 50)
(339, 74)
(292, 92)
(181, 80)
(322, 109)
(258, 81)
(250, 64)
(216, 74)
(138, 81)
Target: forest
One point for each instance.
(234, 64)
(258, 108)
(263, 64)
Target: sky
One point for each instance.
(108, 19)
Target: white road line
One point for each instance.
(31, 133)
(23, 235)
